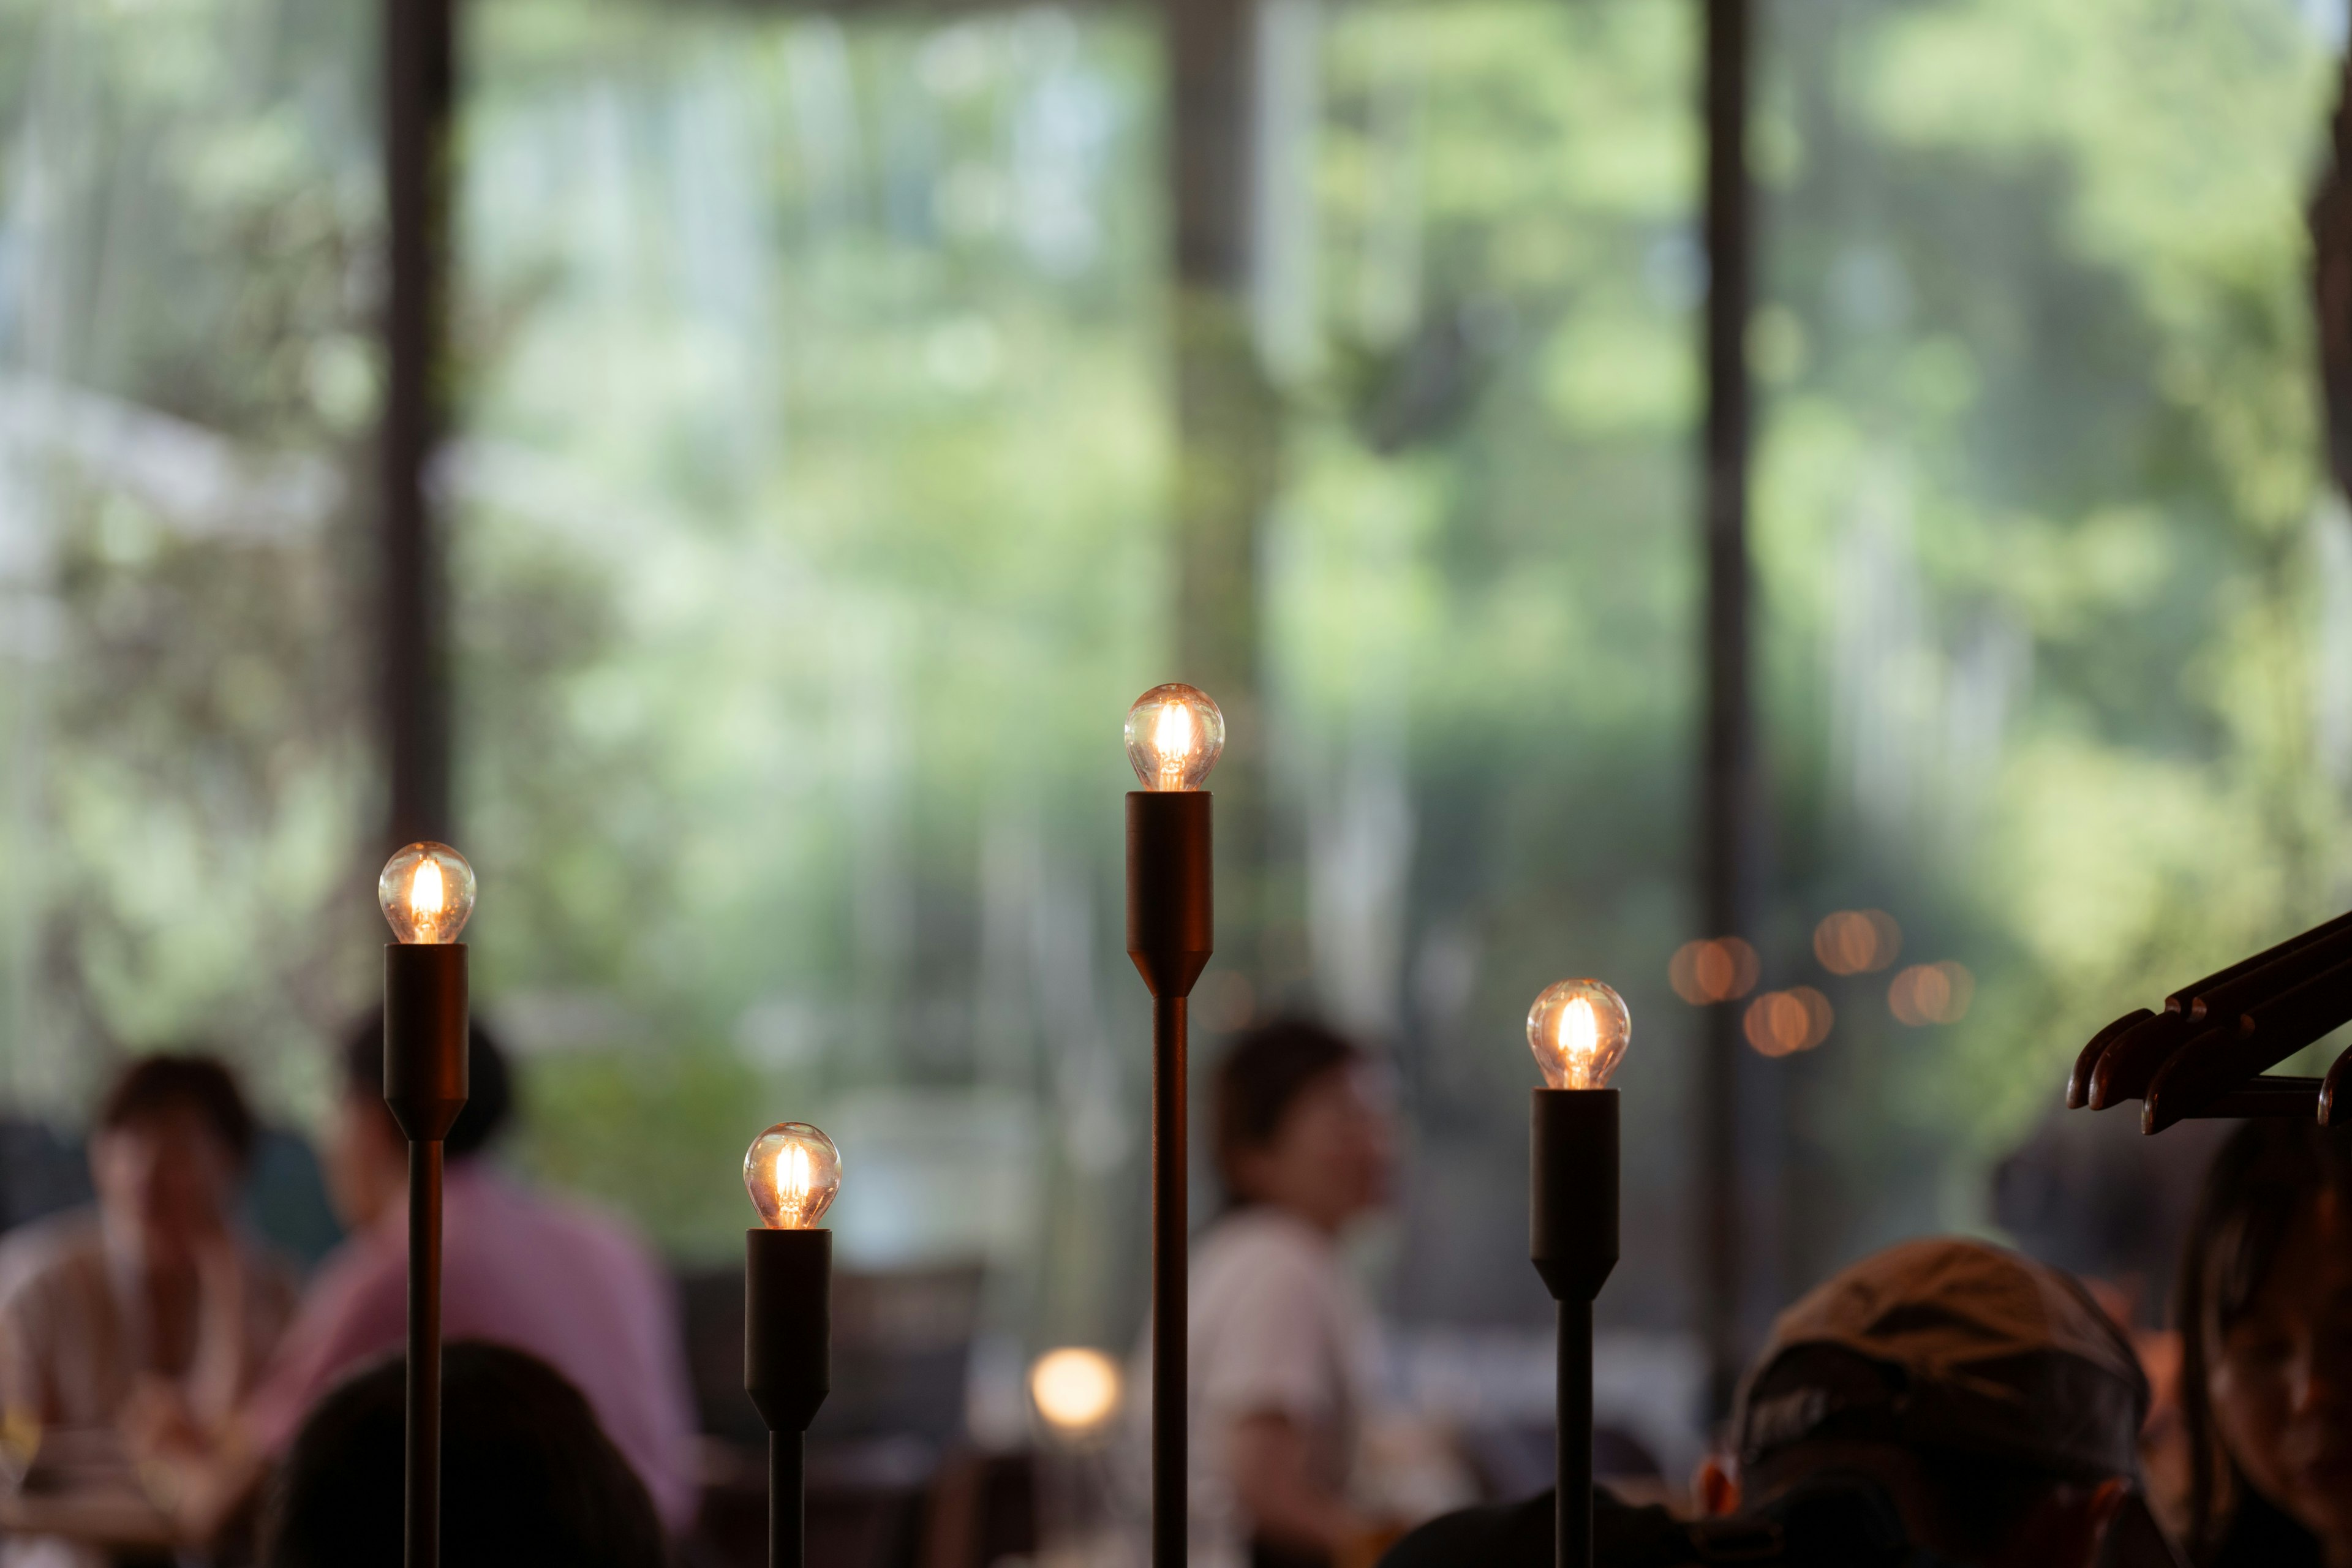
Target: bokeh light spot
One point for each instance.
(1722, 969)
(1931, 993)
(1782, 1022)
(1857, 941)
(1074, 1389)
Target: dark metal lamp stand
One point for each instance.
(787, 1366)
(1170, 933)
(425, 1083)
(1572, 1239)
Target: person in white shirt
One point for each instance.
(1283, 1345)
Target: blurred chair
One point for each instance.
(982, 1509)
(42, 1171)
(285, 1197)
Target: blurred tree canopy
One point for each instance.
(187, 387)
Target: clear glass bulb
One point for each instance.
(1174, 736)
(1577, 1030)
(1074, 1389)
(428, 893)
(791, 1172)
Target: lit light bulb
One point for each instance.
(1577, 1030)
(1076, 1390)
(791, 1172)
(1174, 736)
(428, 893)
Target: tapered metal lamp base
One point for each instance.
(425, 1085)
(1572, 1240)
(787, 1366)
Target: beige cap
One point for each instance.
(1955, 1344)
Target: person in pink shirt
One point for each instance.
(570, 1286)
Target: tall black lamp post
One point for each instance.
(1578, 1029)
(1175, 735)
(427, 891)
(792, 1172)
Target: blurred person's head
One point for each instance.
(168, 1151)
(2264, 1308)
(1986, 1395)
(527, 1474)
(367, 1155)
(1302, 1123)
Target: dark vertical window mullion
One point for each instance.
(411, 584)
(1728, 839)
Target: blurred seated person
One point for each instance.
(156, 1282)
(2265, 1312)
(1939, 1403)
(1282, 1343)
(566, 1284)
(527, 1475)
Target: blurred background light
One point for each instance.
(1074, 1389)
(1857, 941)
(1720, 969)
(1781, 1023)
(1931, 993)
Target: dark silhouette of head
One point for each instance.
(527, 1475)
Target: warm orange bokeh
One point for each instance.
(1857, 941)
(1721, 970)
(1931, 993)
(1782, 1022)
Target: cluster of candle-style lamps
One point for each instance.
(1577, 1030)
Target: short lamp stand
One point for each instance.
(1572, 1239)
(425, 1084)
(1170, 933)
(787, 1367)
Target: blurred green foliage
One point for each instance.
(2047, 397)
(186, 389)
(811, 484)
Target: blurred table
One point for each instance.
(108, 1518)
(81, 1487)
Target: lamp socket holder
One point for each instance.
(788, 1324)
(424, 1036)
(1172, 919)
(1572, 1197)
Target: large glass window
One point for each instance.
(188, 219)
(816, 530)
(2052, 582)
(1480, 584)
(810, 521)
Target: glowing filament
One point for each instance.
(1172, 736)
(1578, 1034)
(794, 1180)
(427, 896)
